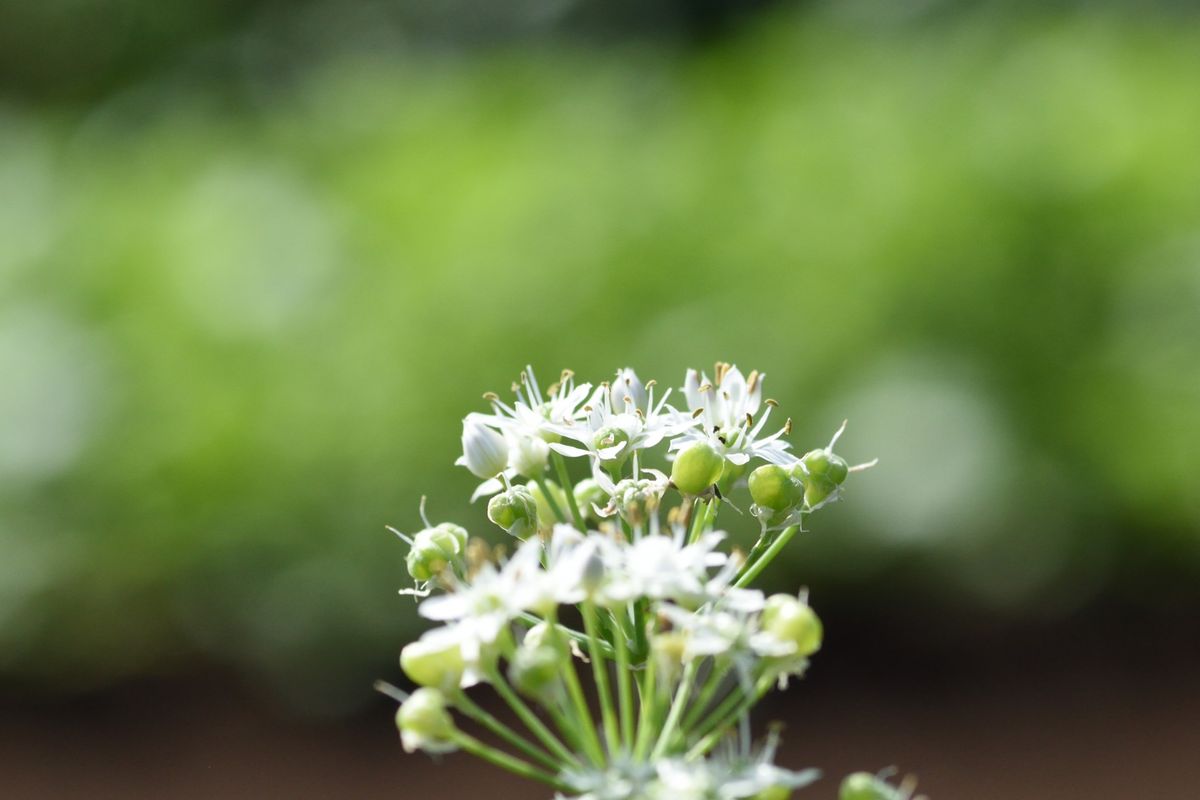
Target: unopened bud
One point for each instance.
(515, 510)
(425, 724)
(438, 665)
(789, 619)
(535, 669)
(823, 473)
(485, 452)
(434, 549)
(864, 786)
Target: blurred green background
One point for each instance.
(258, 259)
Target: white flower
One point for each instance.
(628, 393)
(485, 452)
(533, 414)
(611, 434)
(477, 612)
(727, 411)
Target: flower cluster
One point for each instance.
(616, 576)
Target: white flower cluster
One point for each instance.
(617, 574)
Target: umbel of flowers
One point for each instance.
(628, 644)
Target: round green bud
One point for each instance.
(515, 510)
(437, 665)
(864, 786)
(609, 437)
(424, 723)
(773, 487)
(587, 492)
(790, 620)
(822, 474)
(697, 468)
(731, 473)
(533, 670)
(433, 549)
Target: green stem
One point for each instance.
(560, 467)
(744, 704)
(624, 689)
(677, 706)
(531, 720)
(646, 715)
(697, 521)
(752, 570)
(711, 685)
(583, 715)
(600, 672)
(468, 707)
(505, 761)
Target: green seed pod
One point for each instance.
(436, 665)
(864, 786)
(425, 724)
(609, 437)
(822, 474)
(790, 620)
(697, 468)
(515, 510)
(434, 549)
(773, 487)
(731, 473)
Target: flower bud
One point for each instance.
(791, 620)
(425, 724)
(435, 548)
(864, 786)
(434, 664)
(633, 499)
(485, 452)
(697, 468)
(773, 487)
(823, 473)
(731, 473)
(777, 792)
(587, 492)
(515, 510)
(535, 669)
(528, 455)
(628, 385)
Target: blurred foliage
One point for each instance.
(240, 323)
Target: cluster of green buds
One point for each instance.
(865, 786)
(614, 575)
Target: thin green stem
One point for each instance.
(624, 689)
(752, 570)
(505, 761)
(560, 467)
(646, 714)
(468, 707)
(535, 725)
(743, 706)
(697, 521)
(677, 706)
(600, 672)
(584, 716)
(711, 685)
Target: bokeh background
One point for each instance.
(257, 259)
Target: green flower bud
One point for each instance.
(864, 786)
(790, 620)
(433, 664)
(534, 670)
(425, 724)
(822, 474)
(608, 437)
(697, 468)
(773, 487)
(634, 499)
(433, 549)
(515, 510)
(587, 492)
